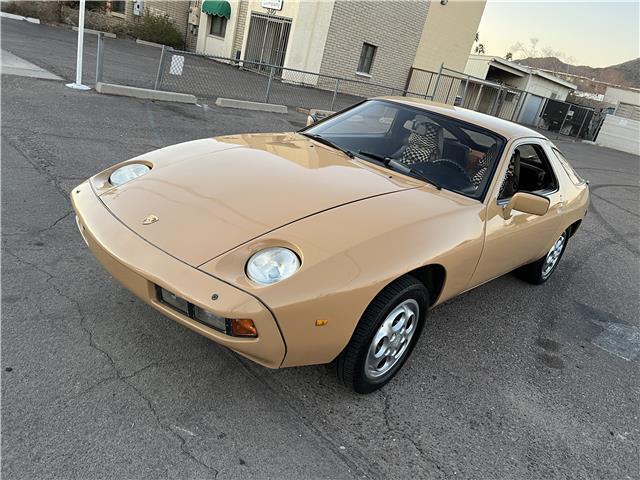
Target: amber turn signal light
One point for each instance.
(243, 327)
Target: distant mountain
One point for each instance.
(626, 74)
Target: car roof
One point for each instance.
(507, 129)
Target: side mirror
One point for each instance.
(310, 120)
(527, 203)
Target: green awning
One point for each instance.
(220, 8)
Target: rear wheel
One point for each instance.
(385, 336)
(541, 270)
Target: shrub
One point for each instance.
(158, 29)
(47, 12)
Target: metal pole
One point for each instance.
(426, 94)
(464, 94)
(446, 100)
(435, 87)
(160, 69)
(475, 104)
(78, 83)
(541, 109)
(100, 58)
(565, 119)
(335, 93)
(493, 105)
(586, 114)
(522, 100)
(266, 97)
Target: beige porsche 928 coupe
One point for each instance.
(332, 243)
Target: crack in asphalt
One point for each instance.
(41, 230)
(50, 280)
(386, 414)
(118, 376)
(361, 465)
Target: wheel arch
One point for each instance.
(573, 228)
(433, 277)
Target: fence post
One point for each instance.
(100, 57)
(435, 87)
(475, 104)
(464, 93)
(586, 114)
(492, 110)
(160, 69)
(266, 96)
(408, 82)
(335, 93)
(564, 120)
(522, 99)
(541, 110)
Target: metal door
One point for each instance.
(530, 109)
(267, 41)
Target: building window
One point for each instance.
(118, 7)
(366, 58)
(218, 26)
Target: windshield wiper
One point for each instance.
(395, 165)
(326, 141)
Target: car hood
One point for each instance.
(212, 195)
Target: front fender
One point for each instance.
(349, 254)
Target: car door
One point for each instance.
(522, 237)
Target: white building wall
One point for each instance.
(477, 66)
(620, 134)
(616, 95)
(545, 88)
(212, 45)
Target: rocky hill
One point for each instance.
(626, 74)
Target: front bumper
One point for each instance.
(139, 266)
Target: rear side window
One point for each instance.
(573, 175)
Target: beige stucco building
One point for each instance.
(177, 10)
(448, 34)
(370, 41)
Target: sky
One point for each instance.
(595, 33)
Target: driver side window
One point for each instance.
(529, 170)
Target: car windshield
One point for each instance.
(446, 152)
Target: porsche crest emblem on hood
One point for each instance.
(150, 219)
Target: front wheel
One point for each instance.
(540, 271)
(385, 336)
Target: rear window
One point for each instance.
(573, 175)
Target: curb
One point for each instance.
(243, 104)
(96, 32)
(144, 93)
(20, 17)
(150, 44)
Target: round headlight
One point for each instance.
(272, 265)
(128, 172)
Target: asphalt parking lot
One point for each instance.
(508, 381)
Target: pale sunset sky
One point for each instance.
(595, 33)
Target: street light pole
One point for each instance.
(78, 83)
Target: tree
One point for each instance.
(532, 51)
(509, 56)
(479, 49)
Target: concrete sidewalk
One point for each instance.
(11, 64)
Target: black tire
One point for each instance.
(535, 272)
(350, 363)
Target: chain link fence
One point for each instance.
(568, 119)
(210, 77)
(457, 88)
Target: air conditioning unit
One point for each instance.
(194, 14)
